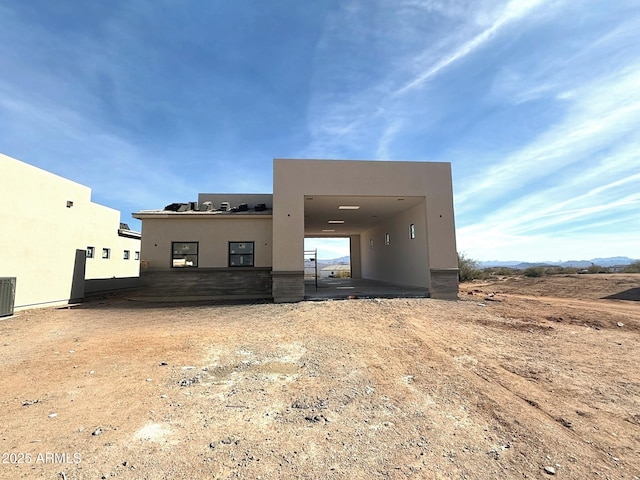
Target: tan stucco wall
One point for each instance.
(212, 233)
(404, 260)
(295, 178)
(354, 255)
(40, 235)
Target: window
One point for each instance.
(241, 254)
(184, 254)
(136, 256)
(126, 254)
(387, 239)
(106, 253)
(91, 251)
(412, 231)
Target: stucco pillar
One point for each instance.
(354, 254)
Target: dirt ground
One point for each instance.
(520, 379)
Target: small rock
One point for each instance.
(550, 470)
(482, 304)
(72, 351)
(53, 415)
(620, 324)
(163, 396)
(97, 432)
(149, 379)
(163, 364)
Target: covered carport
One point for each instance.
(397, 215)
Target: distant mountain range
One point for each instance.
(310, 266)
(515, 264)
(602, 262)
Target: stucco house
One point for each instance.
(55, 243)
(397, 215)
(336, 271)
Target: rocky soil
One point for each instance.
(520, 379)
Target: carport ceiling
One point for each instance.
(319, 210)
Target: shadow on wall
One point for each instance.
(77, 283)
(98, 285)
(632, 294)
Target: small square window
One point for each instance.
(136, 256)
(127, 253)
(412, 231)
(91, 251)
(106, 253)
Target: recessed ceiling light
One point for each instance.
(348, 207)
(335, 221)
(327, 230)
(401, 199)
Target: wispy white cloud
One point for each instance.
(601, 115)
(513, 11)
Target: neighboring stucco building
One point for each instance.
(397, 215)
(336, 271)
(55, 241)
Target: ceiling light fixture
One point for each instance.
(327, 230)
(348, 207)
(335, 221)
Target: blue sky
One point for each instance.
(536, 104)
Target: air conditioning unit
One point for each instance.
(206, 206)
(225, 206)
(7, 295)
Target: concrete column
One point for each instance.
(354, 254)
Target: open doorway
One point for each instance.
(327, 257)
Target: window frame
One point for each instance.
(106, 253)
(126, 255)
(91, 252)
(252, 254)
(196, 255)
(136, 255)
(412, 231)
